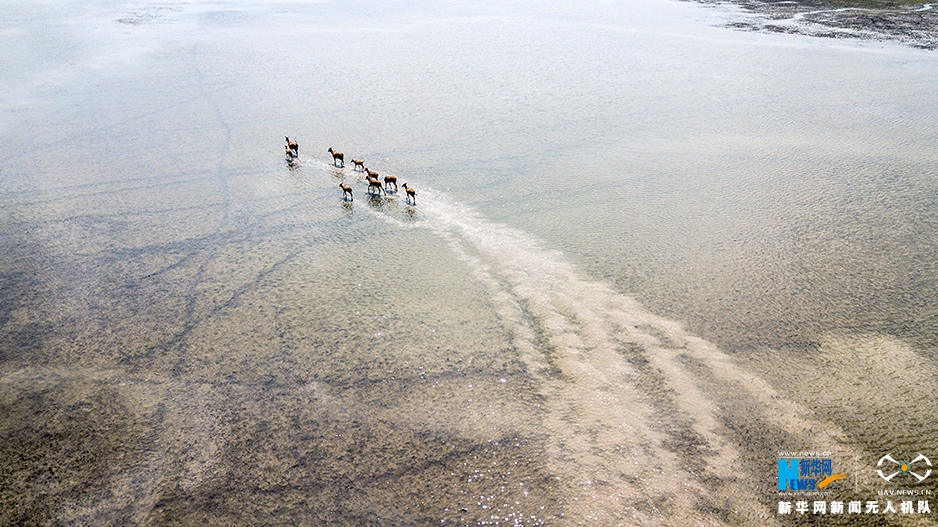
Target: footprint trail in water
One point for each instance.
(636, 408)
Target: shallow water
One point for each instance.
(648, 253)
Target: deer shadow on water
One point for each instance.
(410, 214)
(377, 202)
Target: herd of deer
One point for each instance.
(375, 187)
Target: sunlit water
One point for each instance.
(648, 253)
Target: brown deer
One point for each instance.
(388, 181)
(346, 191)
(359, 164)
(370, 173)
(411, 194)
(291, 155)
(374, 182)
(294, 146)
(337, 156)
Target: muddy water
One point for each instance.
(647, 254)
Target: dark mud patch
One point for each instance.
(62, 448)
(915, 25)
(148, 15)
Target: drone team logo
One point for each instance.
(904, 468)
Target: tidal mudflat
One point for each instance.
(649, 255)
(909, 23)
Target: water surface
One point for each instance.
(647, 254)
